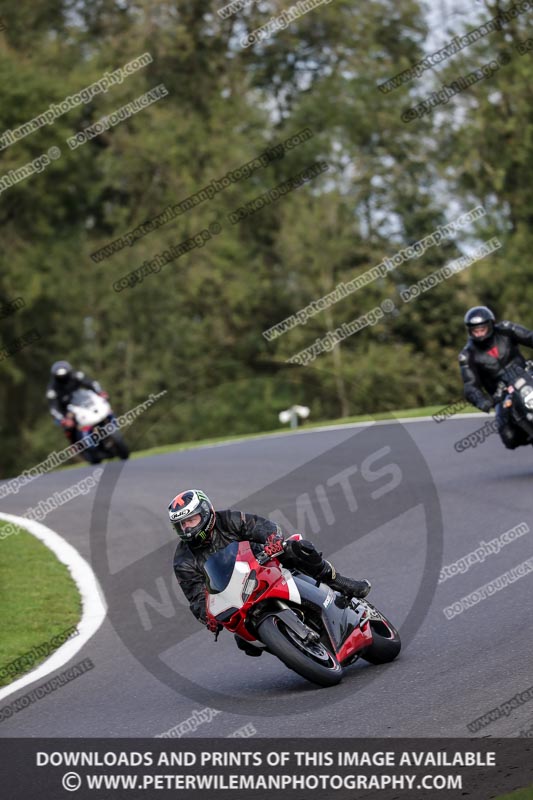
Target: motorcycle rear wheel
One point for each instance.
(386, 645)
(312, 661)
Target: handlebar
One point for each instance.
(508, 378)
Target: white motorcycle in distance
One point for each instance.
(94, 418)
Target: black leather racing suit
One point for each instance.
(481, 366)
(231, 526)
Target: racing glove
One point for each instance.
(68, 423)
(485, 405)
(274, 545)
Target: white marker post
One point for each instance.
(291, 415)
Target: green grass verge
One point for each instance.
(520, 794)
(38, 598)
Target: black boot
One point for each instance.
(305, 556)
(348, 586)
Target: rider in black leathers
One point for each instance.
(64, 380)
(491, 348)
(203, 531)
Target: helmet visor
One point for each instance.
(189, 527)
(479, 331)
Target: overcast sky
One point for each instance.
(458, 13)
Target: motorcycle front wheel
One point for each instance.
(312, 660)
(119, 445)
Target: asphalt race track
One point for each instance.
(387, 499)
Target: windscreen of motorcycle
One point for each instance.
(88, 407)
(218, 568)
(225, 579)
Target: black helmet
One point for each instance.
(187, 504)
(61, 371)
(480, 315)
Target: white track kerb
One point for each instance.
(94, 608)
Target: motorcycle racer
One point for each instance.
(203, 531)
(64, 380)
(491, 348)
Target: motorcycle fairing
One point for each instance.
(283, 587)
(88, 408)
(232, 594)
(340, 619)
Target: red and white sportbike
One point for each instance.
(314, 630)
(95, 419)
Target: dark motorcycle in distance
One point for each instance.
(515, 392)
(311, 628)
